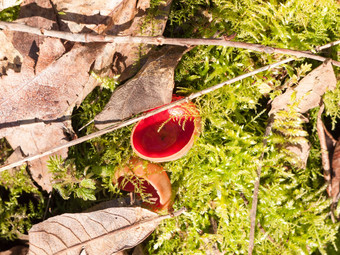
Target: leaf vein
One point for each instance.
(67, 216)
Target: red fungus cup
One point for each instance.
(167, 135)
(147, 180)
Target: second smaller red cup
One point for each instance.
(141, 176)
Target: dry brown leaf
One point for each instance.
(123, 17)
(35, 138)
(127, 55)
(301, 150)
(16, 155)
(51, 84)
(50, 93)
(50, 50)
(37, 53)
(47, 88)
(84, 16)
(305, 96)
(309, 90)
(100, 232)
(34, 13)
(151, 87)
(46, 96)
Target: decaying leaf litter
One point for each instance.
(43, 91)
(305, 101)
(50, 85)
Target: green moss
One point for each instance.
(215, 180)
(10, 14)
(219, 171)
(21, 203)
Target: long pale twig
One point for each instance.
(328, 45)
(141, 117)
(270, 238)
(158, 40)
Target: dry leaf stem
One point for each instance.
(322, 132)
(257, 186)
(141, 117)
(324, 151)
(328, 45)
(160, 40)
(270, 238)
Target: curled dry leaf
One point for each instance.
(28, 100)
(100, 232)
(127, 56)
(33, 102)
(151, 87)
(306, 95)
(50, 84)
(309, 90)
(324, 150)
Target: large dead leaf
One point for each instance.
(27, 99)
(48, 94)
(151, 87)
(47, 87)
(100, 232)
(49, 83)
(143, 24)
(309, 90)
(305, 96)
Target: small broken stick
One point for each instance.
(331, 167)
(324, 150)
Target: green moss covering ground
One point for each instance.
(215, 180)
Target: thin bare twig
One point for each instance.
(158, 40)
(327, 170)
(328, 45)
(324, 151)
(141, 117)
(256, 188)
(271, 239)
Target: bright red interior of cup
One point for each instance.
(146, 187)
(157, 136)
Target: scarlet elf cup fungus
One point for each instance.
(146, 179)
(168, 135)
